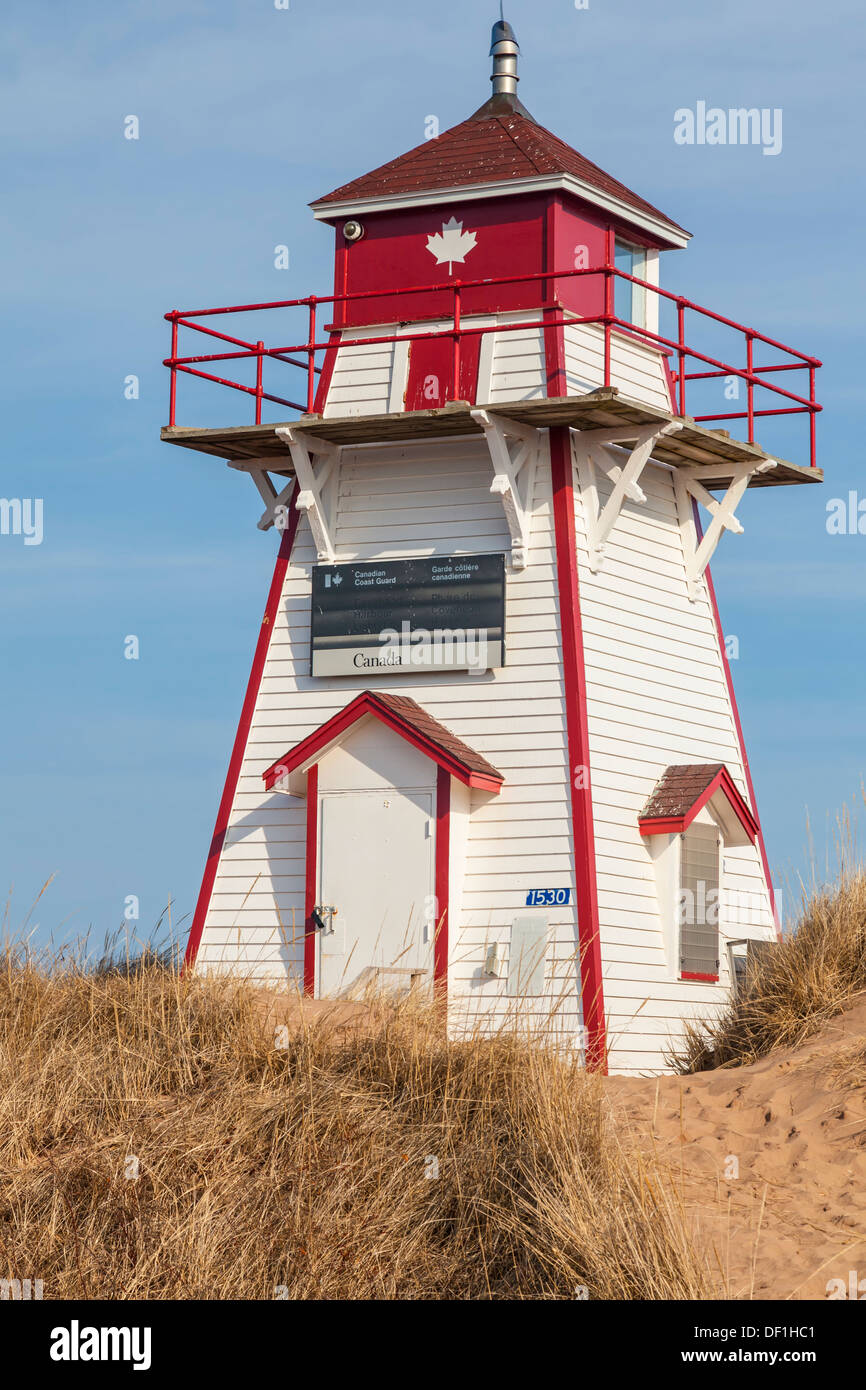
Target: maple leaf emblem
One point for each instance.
(451, 244)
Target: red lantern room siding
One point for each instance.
(510, 240)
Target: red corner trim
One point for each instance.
(577, 730)
(738, 726)
(311, 879)
(660, 825)
(442, 882)
(574, 682)
(240, 743)
(324, 383)
(554, 335)
(364, 704)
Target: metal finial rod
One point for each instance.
(504, 50)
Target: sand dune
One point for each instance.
(795, 1123)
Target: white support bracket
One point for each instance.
(317, 486)
(688, 486)
(276, 503)
(594, 449)
(513, 476)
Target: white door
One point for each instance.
(376, 855)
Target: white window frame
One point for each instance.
(666, 852)
(638, 301)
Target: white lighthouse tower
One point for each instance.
(490, 745)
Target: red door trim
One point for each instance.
(240, 743)
(311, 880)
(442, 882)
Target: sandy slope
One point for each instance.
(796, 1123)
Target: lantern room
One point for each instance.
(486, 211)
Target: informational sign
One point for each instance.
(442, 613)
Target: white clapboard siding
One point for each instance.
(392, 502)
(371, 378)
(518, 367)
(657, 695)
(363, 372)
(636, 368)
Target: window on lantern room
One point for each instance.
(699, 892)
(630, 300)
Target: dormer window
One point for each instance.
(630, 300)
(694, 812)
(699, 887)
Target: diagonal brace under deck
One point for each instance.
(513, 477)
(586, 445)
(687, 485)
(313, 481)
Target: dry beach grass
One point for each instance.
(305, 1165)
(814, 973)
(288, 1147)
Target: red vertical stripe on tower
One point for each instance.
(240, 743)
(574, 682)
(577, 730)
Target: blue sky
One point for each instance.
(110, 769)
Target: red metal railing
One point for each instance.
(302, 355)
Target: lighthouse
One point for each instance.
(490, 750)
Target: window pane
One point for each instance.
(699, 900)
(638, 298)
(622, 302)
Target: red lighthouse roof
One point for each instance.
(489, 150)
(500, 149)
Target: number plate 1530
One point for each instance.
(548, 897)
